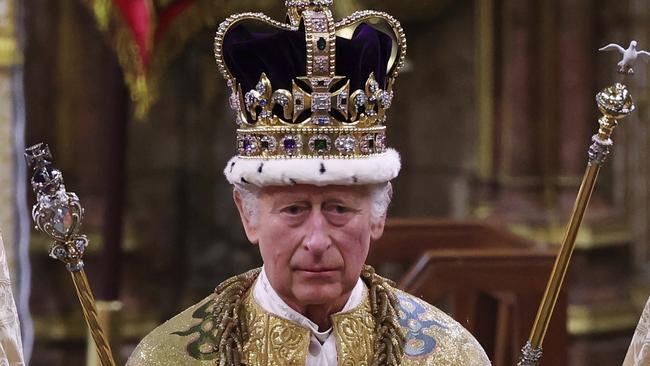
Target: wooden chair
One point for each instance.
(486, 278)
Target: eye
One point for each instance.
(340, 209)
(294, 210)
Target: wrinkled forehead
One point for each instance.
(312, 192)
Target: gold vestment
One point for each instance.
(432, 337)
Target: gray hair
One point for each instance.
(380, 195)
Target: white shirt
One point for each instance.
(322, 345)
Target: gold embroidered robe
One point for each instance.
(432, 337)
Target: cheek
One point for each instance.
(277, 243)
(353, 243)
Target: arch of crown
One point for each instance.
(320, 116)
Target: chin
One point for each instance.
(311, 294)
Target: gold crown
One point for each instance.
(320, 116)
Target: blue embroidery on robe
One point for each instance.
(413, 319)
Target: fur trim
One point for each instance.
(320, 172)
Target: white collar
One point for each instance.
(269, 300)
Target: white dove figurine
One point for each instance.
(629, 56)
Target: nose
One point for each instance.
(317, 240)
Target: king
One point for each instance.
(311, 181)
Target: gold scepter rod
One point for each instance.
(58, 214)
(615, 103)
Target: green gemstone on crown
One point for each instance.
(320, 145)
(321, 44)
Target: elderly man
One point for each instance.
(311, 183)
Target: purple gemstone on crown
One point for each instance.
(247, 144)
(322, 120)
(289, 143)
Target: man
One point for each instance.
(311, 184)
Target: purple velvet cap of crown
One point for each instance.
(282, 55)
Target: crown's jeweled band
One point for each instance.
(325, 143)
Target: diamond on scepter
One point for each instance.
(629, 56)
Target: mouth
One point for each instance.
(317, 270)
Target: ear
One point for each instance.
(247, 221)
(377, 226)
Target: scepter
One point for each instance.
(614, 103)
(58, 214)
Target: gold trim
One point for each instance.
(312, 130)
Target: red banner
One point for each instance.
(148, 34)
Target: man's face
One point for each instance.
(313, 240)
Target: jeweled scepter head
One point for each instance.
(57, 213)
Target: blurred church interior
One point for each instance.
(493, 117)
